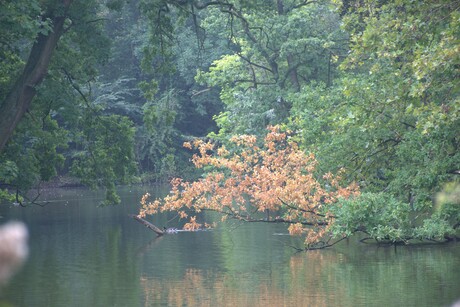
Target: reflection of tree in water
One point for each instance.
(344, 276)
(313, 281)
(303, 284)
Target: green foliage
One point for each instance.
(158, 52)
(33, 154)
(8, 173)
(149, 89)
(379, 215)
(445, 221)
(18, 25)
(436, 229)
(392, 118)
(275, 50)
(385, 219)
(447, 206)
(106, 156)
(158, 137)
(66, 110)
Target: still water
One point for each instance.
(84, 255)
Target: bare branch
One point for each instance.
(74, 85)
(304, 3)
(196, 93)
(253, 64)
(303, 210)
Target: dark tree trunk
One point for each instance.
(293, 74)
(290, 60)
(18, 101)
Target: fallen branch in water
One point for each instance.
(147, 224)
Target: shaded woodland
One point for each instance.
(105, 92)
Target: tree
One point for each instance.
(392, 118)
(46, 114)
(18, 99)
(175, 106)
(384, 219)
(277, 47)
(80, 94)
(248, 181)
(107, 155)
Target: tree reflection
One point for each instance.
(301, 285)
(345, 276)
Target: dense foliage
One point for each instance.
(107, 91)
(392, 118)
(377, 97)
(102, 110)
(246, 180)
(46, 92)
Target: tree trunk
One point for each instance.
(293, 74)
(18, 101)
(291, 67)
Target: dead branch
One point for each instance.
(147, 224)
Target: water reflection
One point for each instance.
(200, 288)
(319, 278)
(82, 255)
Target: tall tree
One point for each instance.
(19, 98)
(277, 47)
(51, 90)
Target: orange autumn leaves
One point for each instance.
(247, 181)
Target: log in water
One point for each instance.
(147, 224)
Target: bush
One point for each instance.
(379, 215)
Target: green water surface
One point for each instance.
(85, 255)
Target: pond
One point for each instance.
(85, 255)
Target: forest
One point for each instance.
(333, 117)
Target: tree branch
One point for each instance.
(196, 93)
(322, 244)
(75, 86)
(147, 224)
(249, 219)
(254, 64)
(304, 3)
(303, 210)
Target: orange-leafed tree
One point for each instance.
(274, 182)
